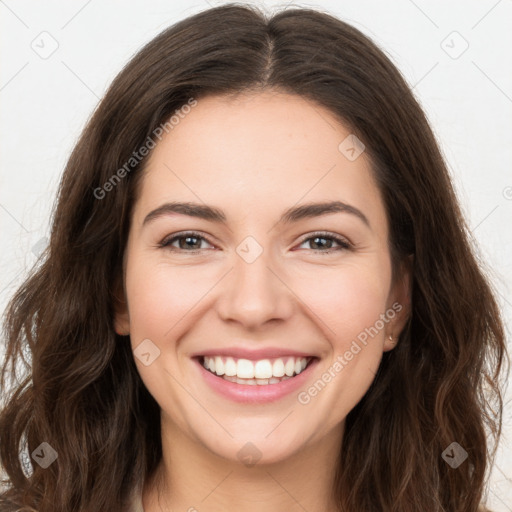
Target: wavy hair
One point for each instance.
(80, 390)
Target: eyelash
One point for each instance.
(344, 244)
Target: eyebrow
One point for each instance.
(294, 214)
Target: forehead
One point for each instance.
(254, 152)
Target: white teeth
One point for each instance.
(230, 367)
(250, 382)
(278, 368)
(263, 369)
(219, 366)
(289, 367)
(262, 372)
(244, 369)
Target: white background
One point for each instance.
(45, 102)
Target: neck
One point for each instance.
(191, 478)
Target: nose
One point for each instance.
(255, 293)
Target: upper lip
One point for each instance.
(252, 355)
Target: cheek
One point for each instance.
(159, 296)
(349, 302)
(161, 299)
(346, 300)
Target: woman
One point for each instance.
(193, 349)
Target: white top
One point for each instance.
(136, 500)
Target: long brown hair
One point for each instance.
(80, 391)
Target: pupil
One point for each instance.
(315, 240)
(187, 240)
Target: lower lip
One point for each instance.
(246, 393)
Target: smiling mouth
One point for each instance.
(255, 373)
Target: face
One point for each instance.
(293, 309)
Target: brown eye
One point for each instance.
(187, 242)
(323, 242)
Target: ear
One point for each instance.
(399, 304)
(120, 305)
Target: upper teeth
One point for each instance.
(262, 369)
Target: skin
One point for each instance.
(253, 157)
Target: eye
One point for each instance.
(190, 242)
(187, 240)
(325, 242)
